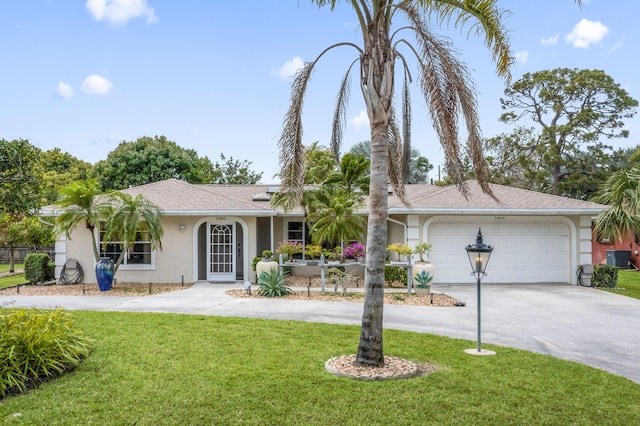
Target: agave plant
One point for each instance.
(271, 283)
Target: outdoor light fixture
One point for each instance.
(182, 227)
(479, 254)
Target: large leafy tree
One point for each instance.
(20, 190)
(151, 159)
(445, 85)
(60, 169)
(20, 178)
(574, 110)
(230, 171)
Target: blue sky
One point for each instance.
(214, 76)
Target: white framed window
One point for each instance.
(297, 231)
(140, 256)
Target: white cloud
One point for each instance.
(289, 68)
(64, 90)
(550, 40)
(361, 120)
(96, 85)
(119, 12)
(586, 32)
(522, 57)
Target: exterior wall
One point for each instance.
(626, 242)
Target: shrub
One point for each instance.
(395, 273)
(272, 284)
(37, 345)
(605, 276)
(38, 268)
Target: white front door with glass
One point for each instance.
(220, 252)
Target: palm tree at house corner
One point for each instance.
(444, 82)
(81, 202)
(124, 217)
(131, 218)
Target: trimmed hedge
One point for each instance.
(605, 276)
(38, 268)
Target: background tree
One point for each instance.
(445, 86)
(419, 166)
(319, 164)
(20, 178)
(20, 190)
(230, 171)
(60, 169)
(573, 109)
(149, 160)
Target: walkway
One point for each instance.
(580, 324)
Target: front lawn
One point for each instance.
(170, 369)
(628, 284)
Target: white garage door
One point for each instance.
(526, 250)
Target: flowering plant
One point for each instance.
(289, 248)
(355, 250)
(313, 251)
(401, 249)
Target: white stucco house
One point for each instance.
(213, 232)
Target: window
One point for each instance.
(298, 232)
(140, 256)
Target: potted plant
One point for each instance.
(333, 256)
(288, 248)
(354, 250)
(422, 250)
(422, 272)
(266, 264)
(402, 250)
(312, 251)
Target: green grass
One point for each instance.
(4, 267)
(628, 284)
(149, 369)
(12, 279)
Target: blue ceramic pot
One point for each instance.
(104, 273)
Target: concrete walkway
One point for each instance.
(580, 324)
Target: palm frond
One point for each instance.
(406, 129)
(340, 115)
(292, 164)
(484, 19)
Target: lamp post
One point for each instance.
(479, 254)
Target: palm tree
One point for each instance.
(622, 193)
(445, 86)
(133, 219)
(331, 212)
(82, 202)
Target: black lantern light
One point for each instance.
(479, 254)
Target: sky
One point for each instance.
(215, 76)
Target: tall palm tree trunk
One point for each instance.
(377, 87)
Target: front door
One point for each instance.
(220, 252)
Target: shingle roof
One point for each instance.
(448, 199)
(178, 197)
(175, 197)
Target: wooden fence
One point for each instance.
(20, 253)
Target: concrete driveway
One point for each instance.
(580, 324)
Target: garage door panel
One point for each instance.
(524, 251)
